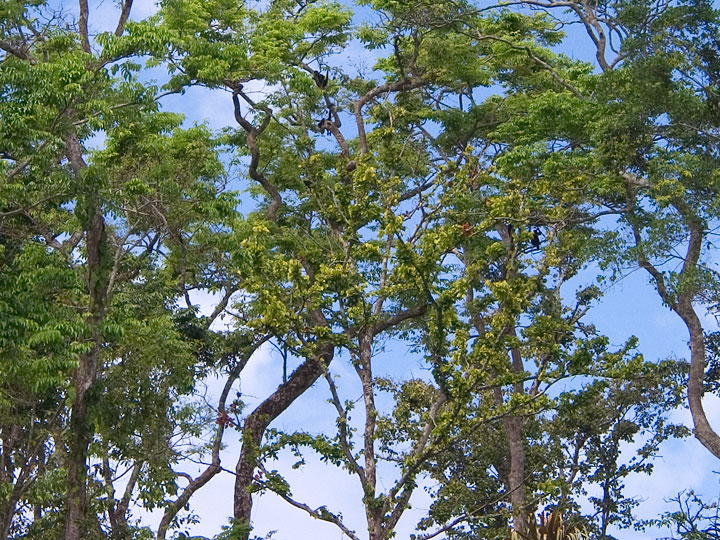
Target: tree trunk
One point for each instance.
(80, 434)
(375, 528)
(516, 476)
(363, 367)
(8, 442)
(6, 515)
(685, 310)
(513, 432)
(696, 379)
(80, 437)
(257, 422)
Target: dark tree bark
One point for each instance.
(80, 434)
(258, 421)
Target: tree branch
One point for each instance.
(417, 462)
(397, 318)
(20, 52)
(343, 431)
(402, 85)
(213, 467)
(320, 513)
(251, 137)
(124, 15)
(83, 26)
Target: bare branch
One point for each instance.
(343, 431)
(20, 52)
(213, 467)
(416, 462)
(397, 318)
(130, 486)
(24, 163)
(251, 137)
(26, 209)
(229, 291)
(319, 513)
(416, 191)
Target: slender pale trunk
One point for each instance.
(514, 434)
(684, 308)
(696, 378)
(682, 305)
(363, 367)
(516, 476)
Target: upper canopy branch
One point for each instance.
(251, 138)
(406, 84)
(20, 51)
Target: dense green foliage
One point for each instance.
(414, 204)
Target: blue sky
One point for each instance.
(630, 307)
(681, 465)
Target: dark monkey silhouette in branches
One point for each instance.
(322, 126)
(320, 79)
(536, 237)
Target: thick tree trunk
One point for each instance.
(80, 437)
(258, 421)
(375, 529)
(6, 516)
(85, 377)
(80, 434)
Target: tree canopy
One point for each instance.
(412, 210)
